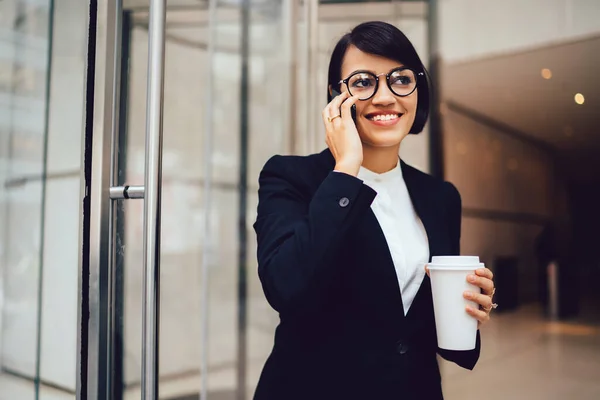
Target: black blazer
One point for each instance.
(324, 265)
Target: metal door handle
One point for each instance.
(126, 192)
(152, 199)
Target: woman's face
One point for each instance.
(384, 119)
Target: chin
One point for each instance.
(388, 138)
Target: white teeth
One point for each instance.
(386, 117)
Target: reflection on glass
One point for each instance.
(183, 210)
(23, 66)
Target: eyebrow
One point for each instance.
(373, 72)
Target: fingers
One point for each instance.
(481, 299)
(333, 108)
(479, 315)
(345, 109)
(486, 284)
(342, 137)
(325, 114)
(485, 273)
(427, 270)
(483, 279)
(337, 101)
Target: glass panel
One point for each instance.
(40, 143)
(24, 45)
(187, 75)
(185, 108)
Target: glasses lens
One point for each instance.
(362, 84)
(403, 82)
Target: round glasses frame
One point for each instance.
(387, 79)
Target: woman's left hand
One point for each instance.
(484, 278)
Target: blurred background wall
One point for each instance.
(520, 135)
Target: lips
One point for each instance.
(383, 116)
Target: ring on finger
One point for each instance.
(493, 306)
(332, 118)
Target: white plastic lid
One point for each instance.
(462, 261)
(433, 267)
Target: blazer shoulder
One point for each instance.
(452, 193)
(285, 162)
(304, 172)
(323, 160)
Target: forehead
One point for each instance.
(355, 59)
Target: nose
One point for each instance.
(384, 95)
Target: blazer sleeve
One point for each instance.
(466, 359)
(298, 236)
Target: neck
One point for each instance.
(380, 159)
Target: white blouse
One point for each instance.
(403, 230)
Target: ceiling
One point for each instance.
(511, 91)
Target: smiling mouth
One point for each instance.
(384, 117)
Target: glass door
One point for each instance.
(199, 258)
(225, 73)
(25, 42)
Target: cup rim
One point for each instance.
(447, 267)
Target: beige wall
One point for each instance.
(479, 28)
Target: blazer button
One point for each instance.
(344, 202)
(402, 348)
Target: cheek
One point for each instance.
(360, 107)
(410, 103)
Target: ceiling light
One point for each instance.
(546, 73)
(579, 99)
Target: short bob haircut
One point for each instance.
(385, 40)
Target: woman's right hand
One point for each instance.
(341, 135)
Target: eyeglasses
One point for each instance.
(401, 81)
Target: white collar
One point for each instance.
(392, 175)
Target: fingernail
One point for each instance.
(472, 278)
(467, 294)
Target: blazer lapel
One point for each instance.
(379, 260)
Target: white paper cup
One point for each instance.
(456, 329)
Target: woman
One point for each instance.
(343, 236)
